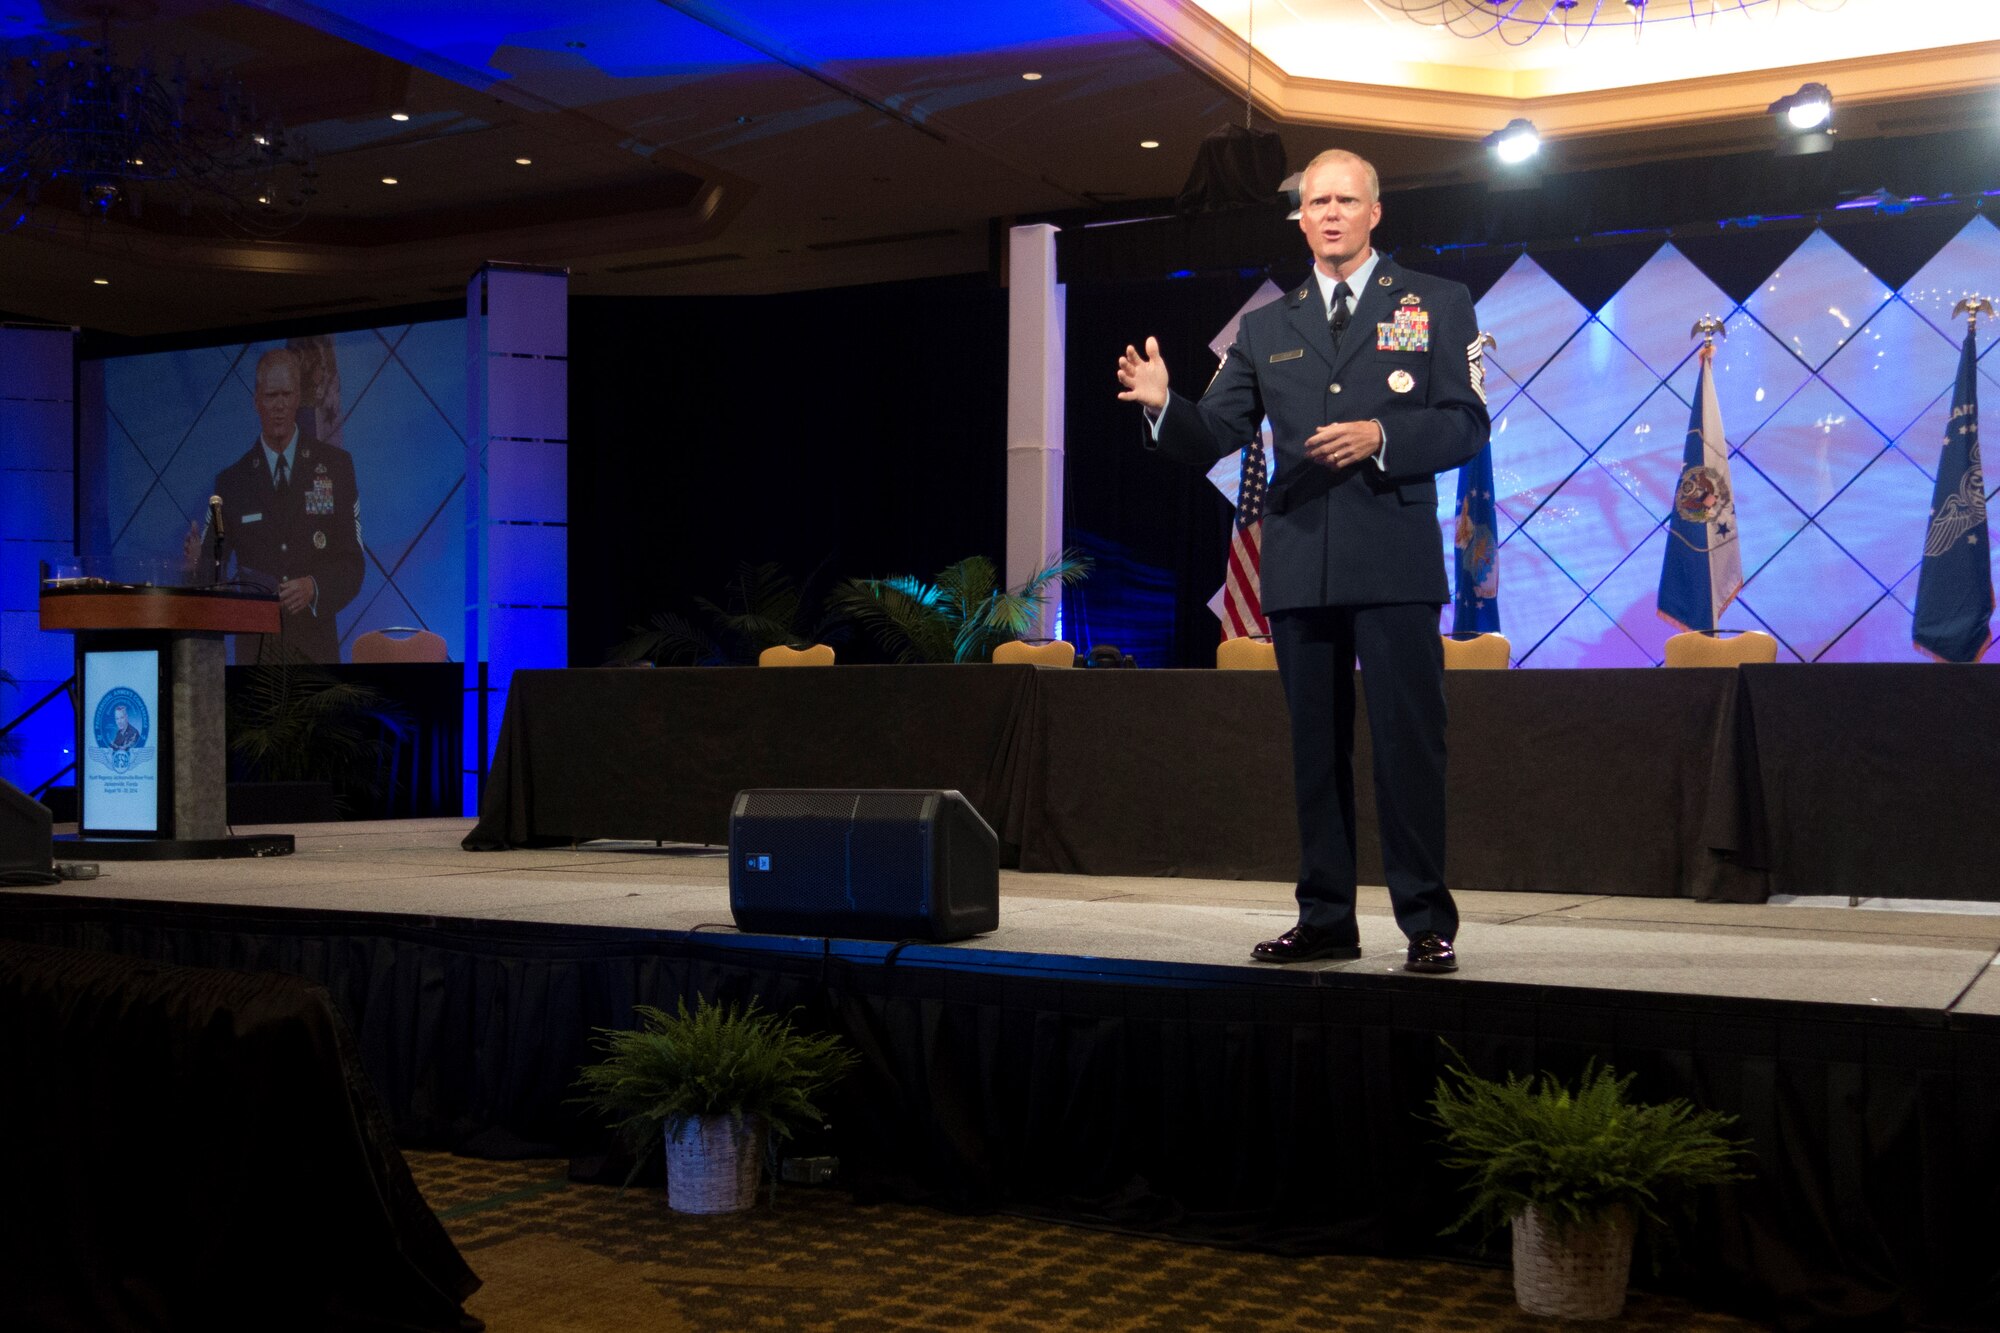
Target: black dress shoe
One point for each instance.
(1302, 944)
(1431, 952)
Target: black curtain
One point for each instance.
(1159, 530)
(1284, 1114)
(861, 426)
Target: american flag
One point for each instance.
(1242, 599)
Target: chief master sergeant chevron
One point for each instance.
(1371, 378)
(292, 516)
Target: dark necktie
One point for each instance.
(284, 477)
(1336, 323)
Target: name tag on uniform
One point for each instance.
(251, 518)
(1292, 355)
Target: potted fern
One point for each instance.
(1576, 1171)
(714, 1085)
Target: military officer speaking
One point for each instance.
(293, 518)
(1371, 378)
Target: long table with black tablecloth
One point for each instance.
(1733, 784)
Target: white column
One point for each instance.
(516, 491)
(1034, 411)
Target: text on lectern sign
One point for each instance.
(120, 750)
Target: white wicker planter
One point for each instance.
(1579, 1273)
(714, 1163)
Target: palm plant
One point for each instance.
(961, 615)
(766, 608)
(293, 722)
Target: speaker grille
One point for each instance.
(863, 864)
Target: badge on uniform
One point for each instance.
(1292, 355)
(1409, 331)
(319, 541)
(1401, 381)
(319, 500)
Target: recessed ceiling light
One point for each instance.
(524, 161)
(1149, 143)
(101, 282)
(1031, 76)
(399, 115)
(388, 180)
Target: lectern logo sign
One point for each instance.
(122, 729)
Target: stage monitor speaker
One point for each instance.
(27, 845)
(862, 864)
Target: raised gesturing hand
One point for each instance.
(1144, 376)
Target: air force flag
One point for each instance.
(1475, 603)
(1703, 568)
(1955, 587)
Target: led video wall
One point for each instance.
(1834, 391)
(355, 511)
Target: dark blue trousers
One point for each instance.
(1403, 662)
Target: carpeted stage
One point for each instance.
(1110, 1056)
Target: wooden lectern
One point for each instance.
(151, 767)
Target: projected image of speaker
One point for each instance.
(26, 841)
(862, 864)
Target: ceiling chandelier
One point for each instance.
(80, 129)
(1518, 22)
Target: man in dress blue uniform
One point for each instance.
(293, 518)
(1371, 378)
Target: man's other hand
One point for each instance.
(1344, 443)
(1144, 376)
(296, 595)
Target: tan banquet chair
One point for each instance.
(1054, 653)
(383, 645)
(1692, 648)
(1482, 652)
(820, 654)
(1246, 655)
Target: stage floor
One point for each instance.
(1187, 930)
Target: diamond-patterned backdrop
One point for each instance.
(175, 419)
(1834, 389)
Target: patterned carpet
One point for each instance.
(559, 1257)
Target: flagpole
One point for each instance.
(1954, 608)
(1701, 570)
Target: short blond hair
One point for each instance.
(280, 356)
(1346, 158)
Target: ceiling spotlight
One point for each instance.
(388, 180)
(100, 282)
(1031, 76)
(524, 161)
(1806, 119)
(1149, 143)
(399, 115)
(1515, 143)
(1807, 109)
